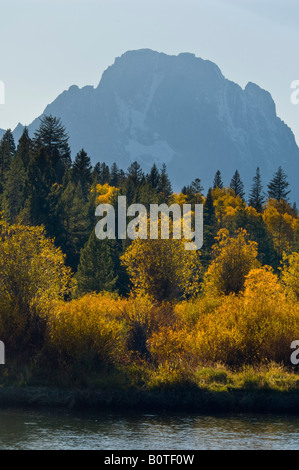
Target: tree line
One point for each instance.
(40, 185)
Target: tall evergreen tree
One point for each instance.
(52, 135)
(135, 174)
(277, 188)
(82, 171)
(237, 185)
(209, 216)
(114, 175)
(210, 228)
(217, 183)
(104, 174)
(154, 176)
(197, 186)
(24, 148)
(7, 152)
(164, 187)
(74, 220)
(256, 197)
(13, 195)
(95, 270)
(40, 177)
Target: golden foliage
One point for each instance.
(86, 330)
(105, 193)
(226, 204)
(163, 269)
(290, 275)
(233, 259)
(32, 276)
(281, 224)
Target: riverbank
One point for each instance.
(191, 400)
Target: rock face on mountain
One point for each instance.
(180, 110)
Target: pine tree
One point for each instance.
(82, 171)
(197, 186)
(7, 152)
(237, 185)
(277, 188)
(164, 187)
(210, 228)
(114, 175)
(73, 212)
(24, 148)
(39, 179)
(52, 135)
(154, 176)
(256, 198)
(135, 174)
(209, 217)
(13, 195)
(104, 176)
(217, 183)
(95, 270)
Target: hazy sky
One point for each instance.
(49, 45)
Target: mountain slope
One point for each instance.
(180, 110)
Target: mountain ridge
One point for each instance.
(178, 109)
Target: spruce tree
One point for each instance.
(209, 216)
(24, 148)
(217, 183)
(277, 188)
(74, 221)
(52, 135)
(13, 195)
(7, 152)
(114, 175)
(82, 171)
(135, 174)
(39, 179)
(164, 187)
(256, 198)
(237, 185)
(95, 270)
(104, 176)
(154, 176)
(197, 186)
(210, 228)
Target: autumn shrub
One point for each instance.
(187, 313)
(290, 275)
(144, 317)
(33, 277)
(86, 334)
(255, 327)
(172, 345)
(162, 269)
(233, 258)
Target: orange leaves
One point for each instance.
(105, 193)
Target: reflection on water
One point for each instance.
(49, 430)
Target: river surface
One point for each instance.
(23, 429)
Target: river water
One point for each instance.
(24, 429)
